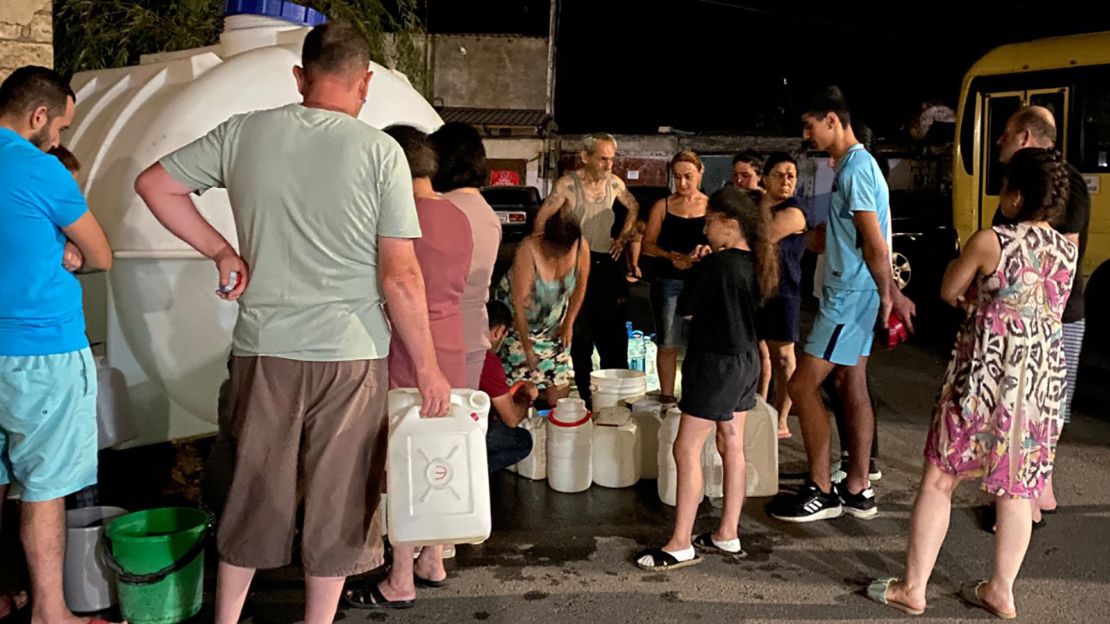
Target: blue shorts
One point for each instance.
(48, 435)
(671, 329)
(845, 326)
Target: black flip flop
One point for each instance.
(370, 597)
(428, 583)
(662, 560)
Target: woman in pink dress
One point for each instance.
(444, 252)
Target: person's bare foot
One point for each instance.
(392, 593)
(900, 592)
(997, 600)
(430, 567)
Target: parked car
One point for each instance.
(516, 207)
(924, 242)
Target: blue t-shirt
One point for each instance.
(859, 187)
(40, 308)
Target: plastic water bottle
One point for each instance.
(637, 356)
(651, 354)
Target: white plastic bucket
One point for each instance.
(648, 416)
(89, 585)
(438, 475)
(570, 447)
(616, 449)
(613, 385)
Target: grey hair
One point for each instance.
(589, 144)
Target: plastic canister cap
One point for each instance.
(281, 9)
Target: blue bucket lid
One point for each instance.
(281, 9)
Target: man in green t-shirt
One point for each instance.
(324, 211)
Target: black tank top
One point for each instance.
(680, 235)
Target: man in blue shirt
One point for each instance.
(858, 290)
(48, 434)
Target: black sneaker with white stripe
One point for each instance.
(808, 505)
(860, 505)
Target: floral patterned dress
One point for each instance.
(1000, 409)
(547, 308)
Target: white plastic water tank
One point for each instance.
(570, 447)
(438, 473)
(157, 311)
(616, 449)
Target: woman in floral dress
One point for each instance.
(999, 412)
(545, 289)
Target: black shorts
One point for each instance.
(779, 318)
(715, 385)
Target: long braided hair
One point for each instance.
(1041, 176)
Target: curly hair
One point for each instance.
(737, 205)
(1041, 176)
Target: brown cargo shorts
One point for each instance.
(318, 425)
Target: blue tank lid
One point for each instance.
(281, 9)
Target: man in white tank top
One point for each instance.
(586, 195)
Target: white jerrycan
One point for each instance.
(534, 466)
(616, 451)
(668, 471)
(438, 474)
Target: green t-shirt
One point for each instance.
(311, 191)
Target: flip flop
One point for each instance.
(877, 591)
(785, 435)
(370, 597)
(1049, 512)
(428, 583)
(969, 593)
(704, 542)
(662, 560)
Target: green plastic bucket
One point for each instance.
(158, 558)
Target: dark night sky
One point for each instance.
(721, 65)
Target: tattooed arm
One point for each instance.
(561, 197)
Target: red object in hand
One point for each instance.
(895, 331)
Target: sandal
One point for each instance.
(877, 591)
(428, 583)
(970, 594)
(658, 559)
(785, 435)
(706, 543)
(371, 597)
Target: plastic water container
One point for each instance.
(89, 584)
(613, 385)
(534, 466)
(166, 330)
(637, 359)
(667, 469)
(651, 361)
(761, 450)
(616, 449)
(438, 475)
(648, 417)
(570, 447)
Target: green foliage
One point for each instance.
(98, 34)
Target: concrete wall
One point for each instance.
(26, 34)
(490, 71)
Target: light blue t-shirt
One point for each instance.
(40, 302)
(859, 187)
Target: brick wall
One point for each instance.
(26, 34)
